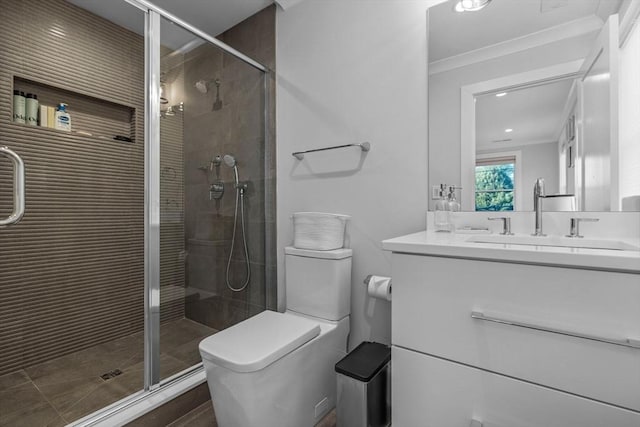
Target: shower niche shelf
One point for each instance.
(91, 117)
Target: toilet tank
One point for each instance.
(318, 283)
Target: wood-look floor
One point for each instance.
(203, 416)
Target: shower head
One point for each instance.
(229, 160)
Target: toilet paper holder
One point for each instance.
(374, 290)
(368, 279)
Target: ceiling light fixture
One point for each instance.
(501, 94)
(508, 130)
(471, 5)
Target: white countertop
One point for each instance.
(457, 246)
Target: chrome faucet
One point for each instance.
(538, 195)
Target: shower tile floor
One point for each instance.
(65, 389)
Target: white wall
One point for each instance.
(444, 97)
(538, 161)
(352, 71)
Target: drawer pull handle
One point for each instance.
(627, 342)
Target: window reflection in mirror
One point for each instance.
(495, 183)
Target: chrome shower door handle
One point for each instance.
(18, 187)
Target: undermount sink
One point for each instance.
(557, 241)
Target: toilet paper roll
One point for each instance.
(379, 287)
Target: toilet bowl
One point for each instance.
(277, 369)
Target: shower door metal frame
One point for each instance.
(152, 382)
(152, 203)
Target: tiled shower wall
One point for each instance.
(71, 274)
(239, 128)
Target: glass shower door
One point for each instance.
(72, 269)
(212, 193)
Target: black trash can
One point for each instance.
(364, 387)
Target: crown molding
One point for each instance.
(570, 29)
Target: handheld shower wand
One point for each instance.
(230, 161)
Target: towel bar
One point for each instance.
(364, 146)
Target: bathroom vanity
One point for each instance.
(513, 335)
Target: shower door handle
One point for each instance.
(18, 187)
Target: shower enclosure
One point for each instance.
(123, 260)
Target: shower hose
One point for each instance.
(240, 199)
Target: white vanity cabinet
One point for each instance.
(513, 345)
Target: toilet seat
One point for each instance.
(259, 341)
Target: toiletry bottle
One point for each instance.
(51, 117)
(453, 204)
(44, 116)
(32, 109)
(442, 211)
(62, 120)
(19, 111)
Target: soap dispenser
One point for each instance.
(452, 202)
(441, 217)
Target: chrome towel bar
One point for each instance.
(364, 146)
(626, 342)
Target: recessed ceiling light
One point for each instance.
(501, 94)
(470, 5)
(508, 130)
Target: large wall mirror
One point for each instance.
(529, 89)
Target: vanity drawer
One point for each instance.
(431, 392)
(433, 299)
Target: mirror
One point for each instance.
(529, 89)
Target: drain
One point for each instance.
(111, 374)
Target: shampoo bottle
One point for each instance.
(32, 109)
(19, 112)
(62, 119)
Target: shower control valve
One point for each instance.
(216, 190)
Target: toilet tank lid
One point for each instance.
(333, 254)
(258, 341)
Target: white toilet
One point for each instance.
(277, 369)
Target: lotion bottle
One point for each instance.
(62, 119)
